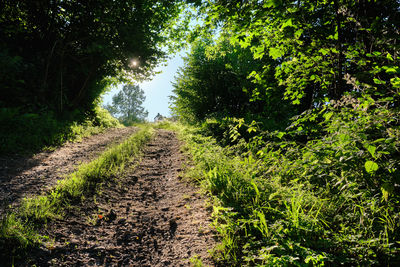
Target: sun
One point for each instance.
(134, 63)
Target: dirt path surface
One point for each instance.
(148, 217)
(23, 176)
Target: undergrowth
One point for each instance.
(323, 192)
(30, 132)
(19, 229)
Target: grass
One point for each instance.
(46, 131)
(196, 261)
(18, 230)
(282, 207)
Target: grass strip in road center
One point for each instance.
(18, 229)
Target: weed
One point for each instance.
(196, 261)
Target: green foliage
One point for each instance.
(18, 229)
(15, 232)
(28, 132)
(216, 82)
(286, 202)
(104, 119)
(127, 105)
(318, 46)
(196, 261)
(325, 190)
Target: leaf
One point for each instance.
(324, 51)
(371, 166)
(268, 4)
(287, 23)
(392, 70)
(259, 52)
(386, 189)
(328, 116)
(280, 135)
(371, 149)
(275, 52)
(251, 129)
(377, 81)
(389, 56)
(296, 102)
(395, 82)
(298, 33)
(344, 137)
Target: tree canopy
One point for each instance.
(320, 46)
(61, 55)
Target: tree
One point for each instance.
(215, 83)
(319, 45)
(127, 105)
(159, 117)
(59, 55)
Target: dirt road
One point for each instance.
(24, 176)
(148, 217)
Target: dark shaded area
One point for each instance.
(29, 133)
(56, 55)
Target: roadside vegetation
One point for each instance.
(31, 132)
(19, 228)
(293, 109)
(278, 202)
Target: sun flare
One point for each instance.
(134, 63)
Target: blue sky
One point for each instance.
(157, 90)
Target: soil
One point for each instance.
(21, 176)
(149, 216)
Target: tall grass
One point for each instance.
(18, 229)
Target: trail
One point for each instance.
(148, 217)
(23, 176)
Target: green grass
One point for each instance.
(288, 204)
(18, 230)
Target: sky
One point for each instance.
(158, 90)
